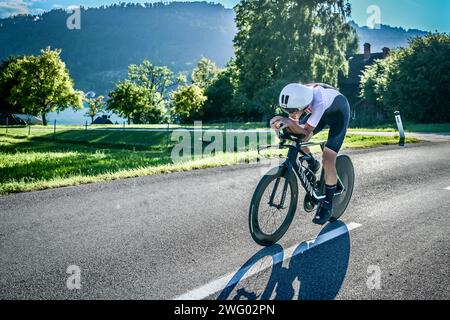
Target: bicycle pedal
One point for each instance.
(308, 205)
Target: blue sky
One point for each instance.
(429, 15)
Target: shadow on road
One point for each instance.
(313, 272)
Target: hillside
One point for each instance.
(386, 36)
(111, 38)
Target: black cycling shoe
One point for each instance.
(314, 167)
(323, 215)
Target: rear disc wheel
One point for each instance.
(346, 174)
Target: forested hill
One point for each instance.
(385, 36)
(175, 34)
(111, 38)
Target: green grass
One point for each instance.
(133, 138)
(35, 163)
(433, 127)
(222, 125)
(354, 141)
(375, 129)
(409, 127)
(98, 136)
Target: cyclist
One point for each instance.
(324, 105)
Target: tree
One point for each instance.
(205, 73)
(42, 84)
(187, 102)
(6, 85)
(413, 80)
(219, 96)
(219, 92)
(130, 100)
(95, 106)
(154, 78)
(290, 40)
(153, 83)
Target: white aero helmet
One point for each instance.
(296, 96)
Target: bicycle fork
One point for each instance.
(285, 186)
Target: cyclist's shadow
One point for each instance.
(313, 273)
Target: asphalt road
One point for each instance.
(161, 237)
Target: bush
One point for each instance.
(414, 80)
(187, 102)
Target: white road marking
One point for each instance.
(220, 284)
(448, 188)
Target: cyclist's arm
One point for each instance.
(305, 130)
(310, 131)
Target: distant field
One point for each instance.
(38, 130)
(39, 162)
(102, 136)
(224, 125)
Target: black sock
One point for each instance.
(329, 195)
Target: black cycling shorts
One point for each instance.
(337, 117)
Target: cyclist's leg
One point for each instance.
(313, 164)
(319, 128)
(337, 117)
(329, 166)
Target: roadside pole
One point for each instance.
(29, 126)
(7, 124)
(398, 119)
(167, 134)
(54, 128)
(85, 131)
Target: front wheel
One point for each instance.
(346, 174)
(268, 221)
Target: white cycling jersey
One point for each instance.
(322, 100)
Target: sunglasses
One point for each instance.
(289, 110)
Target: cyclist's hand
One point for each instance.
(285, 123)
(308, 137)
(275, 123)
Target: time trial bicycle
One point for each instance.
(275, 199)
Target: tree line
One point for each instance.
(37, 85)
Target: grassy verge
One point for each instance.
(222, 125)
(28, 164)
(409, 127)
(104, 136)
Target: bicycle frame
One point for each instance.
(294, 163)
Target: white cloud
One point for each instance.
(13, 7)
(73, 7)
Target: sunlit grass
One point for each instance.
(28, 164)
